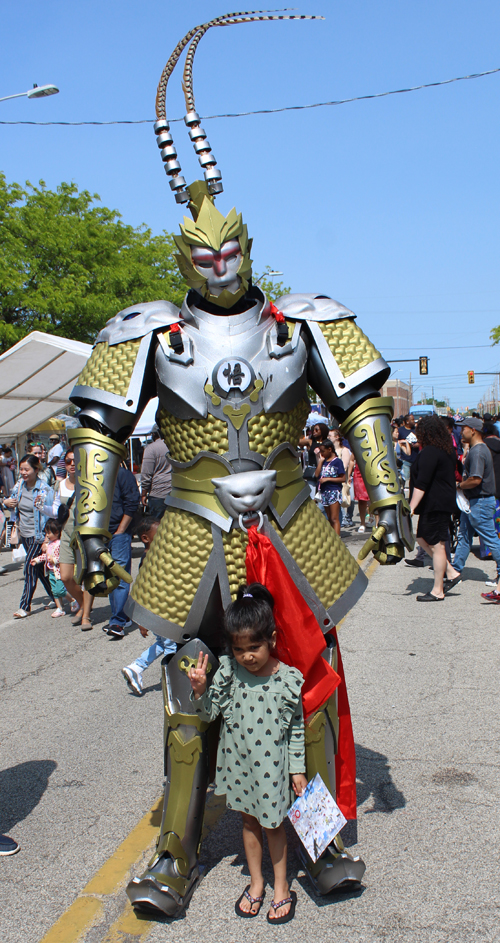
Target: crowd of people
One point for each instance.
(41, 512)
(454, 476)
(334, 478)
(450, 470)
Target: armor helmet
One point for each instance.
(230, 268)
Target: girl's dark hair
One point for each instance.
(53, 526)
(329, 444)
(33, 461)
(323, 429)
(252, 613)
(432, 430)
(68, 452)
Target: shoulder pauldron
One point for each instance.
(138, 320)
(309, 307)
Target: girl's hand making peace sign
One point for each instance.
(198, 676)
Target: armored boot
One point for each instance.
(335, 869)
(173, 872)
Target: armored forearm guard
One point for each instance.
(368, 429)
(97, 460)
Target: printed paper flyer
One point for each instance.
(316, 817)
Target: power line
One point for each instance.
(467, 347)
(273, 111)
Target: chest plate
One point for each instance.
(231, 374)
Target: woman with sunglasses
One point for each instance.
(64, 495)
(26, 502)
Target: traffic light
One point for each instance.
(423, 366)
(470, 376)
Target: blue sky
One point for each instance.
(390, 206)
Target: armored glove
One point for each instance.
(97, 460)
(390, 535)
(95, 567)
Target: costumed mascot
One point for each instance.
(231, 372)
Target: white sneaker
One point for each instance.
(133, 679)
(490, 582)
(362, 529)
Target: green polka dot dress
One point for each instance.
(262, 738)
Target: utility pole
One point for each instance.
(410, 404)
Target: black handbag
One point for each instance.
(63, 511)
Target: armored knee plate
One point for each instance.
(336, 869)
(173, 872)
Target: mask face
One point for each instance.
(220, 269)
(214, 251)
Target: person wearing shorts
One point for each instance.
(331, 474)
(65, 495)
(433, 496)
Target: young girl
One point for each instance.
(331, 474)
(261, 742)
(50, 556)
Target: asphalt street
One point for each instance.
(82, 764)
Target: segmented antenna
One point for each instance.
(196, 133)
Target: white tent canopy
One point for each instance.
(36, 379)
(147, 420)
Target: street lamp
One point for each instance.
(38, 91)
(271, 274)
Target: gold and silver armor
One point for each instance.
(231, 371)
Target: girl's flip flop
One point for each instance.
(253, 900)
(292, 900)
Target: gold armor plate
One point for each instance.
(110, 368)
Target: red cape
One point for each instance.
(300, 644)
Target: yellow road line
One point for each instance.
(71, 924)
(88, 907)
(129, 923)
(110, 876)
(370, 570)
(138, 927)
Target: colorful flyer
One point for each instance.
(316, 817)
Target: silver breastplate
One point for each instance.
(233, 368)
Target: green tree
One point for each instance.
(436, 402)
(67, 264)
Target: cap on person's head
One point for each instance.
(472, 423)
(54, 436)
(155, 430)
(487, 417)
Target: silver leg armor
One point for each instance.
(336, 869)
(173, 872)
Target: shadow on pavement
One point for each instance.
(374, 779)
(21, 788)
(422, 584)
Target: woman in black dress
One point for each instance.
(433, 496)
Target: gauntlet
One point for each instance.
(368, 429)
(97, 460)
